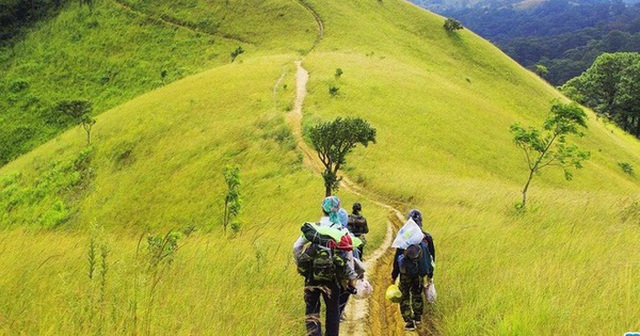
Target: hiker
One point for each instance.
(326, 277)
(358, 226)
(343, 217)
(414, 266)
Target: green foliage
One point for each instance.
(80, 112)
(611, 87)
(18, 86)
(541, 70)
(89, 3)
(334, 90)
(236, 53)
(161, 249)
(53, 192)
(75, 109)
(334, 140)
(627, 168)
(338, 73)
(232, 199)
(452, 25)
(548, 147)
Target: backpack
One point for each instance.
(311, 234)
(415, 260)
(320, 263)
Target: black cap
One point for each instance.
(357, 207)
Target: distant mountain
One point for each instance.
(448, 5)
(565, 36)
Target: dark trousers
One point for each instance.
(360, 252)
(344, 298)
(411, 304)
(330, 292)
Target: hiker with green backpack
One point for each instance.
(413, 264)
(323, 255)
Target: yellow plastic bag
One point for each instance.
(393, 293)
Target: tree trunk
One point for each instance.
(225, 220)
(526, 187)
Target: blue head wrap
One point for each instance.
(331, 205)
(343, 217)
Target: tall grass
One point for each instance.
(157, 165)
(441, 104)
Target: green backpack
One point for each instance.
(322, 264)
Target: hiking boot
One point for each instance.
(410, 326)
(417, 320)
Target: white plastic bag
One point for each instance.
(410, 233)
(430, 293)
(363, 288)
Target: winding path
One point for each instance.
(358, 311)
(376, 315)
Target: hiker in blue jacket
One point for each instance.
(415, 268)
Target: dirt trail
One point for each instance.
(374, 316)
(316, 17)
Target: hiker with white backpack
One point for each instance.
(413, 266)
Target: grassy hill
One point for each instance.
(442, 104)
(119, 50)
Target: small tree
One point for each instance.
(338, 73)
(541, 70)
(548, 147)
(334, 90)
(334, 140)
(236, 53)
(87, 123)
(451, 25)
(232, 200)
(80, 112)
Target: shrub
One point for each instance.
(18, 86)
(627, 168)
(236, 53)
(452, 25)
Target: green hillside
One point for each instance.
(442, 105)
(120, 50)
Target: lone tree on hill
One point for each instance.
(80, 112)
(451, 25)
(334, 140)
(549, 147)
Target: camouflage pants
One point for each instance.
(411, 304)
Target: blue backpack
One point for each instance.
(415, 260)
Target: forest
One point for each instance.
(563, 36)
